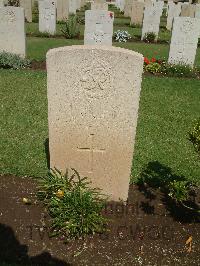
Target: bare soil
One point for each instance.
(151, 230)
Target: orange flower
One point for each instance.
(153, 60)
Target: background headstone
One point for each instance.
(12, 30)
(47, 16)
(151, 20)
(27, 5)
(184, 40)
(62, 10)
(98, 27)
(188, 10)
(174, 10)
(137, 13)
(72, 6)
(93, 100)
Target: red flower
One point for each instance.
(153, 60)
(111, 15)
(146, 60)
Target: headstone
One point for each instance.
(98, 27)
(151, 20)
(12, 30)
(27, 5)
(1, 3)
(62, 10)
(47, 16)
(99, 5)
(93, 100)
(120, 4)
(184, 40)
(174, 10)
(188, 10)
(72, 6)
(197, 11)
(128, 8)
(137, 13)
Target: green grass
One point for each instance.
(38, 47)
(167, 109)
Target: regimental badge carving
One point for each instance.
(187, 26)
(9, 16)
(95, 77)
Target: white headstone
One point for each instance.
(151, 20)
(72, 6)
(47, 16)
(27, 5)
(184, 40)
(99, 6)
(174, 10)
(137, 13)
(62, 10)
(98, 27)
(12, 30)
(93, 100)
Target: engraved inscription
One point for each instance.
(91, 150)
(95, 78)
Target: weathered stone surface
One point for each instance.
(1, 3)
(188, 10)
(120, 4)
(137, 13)
(184, 40)
(99, 6)
(151, 20)
(72, 6)
(128, 8)
(174, 10)
(93, 100)
(27, 5)
(62, 10)
(47, 16)
(98, 27)
(12, 30)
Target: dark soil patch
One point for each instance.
(38, 65)
(150, 231)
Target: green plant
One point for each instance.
(8, 60)
(149, 37)
(75, 208)
(153, 67)
(178, 70)
(194, 136)
(71, 28)
(179, 190)
(35, 12)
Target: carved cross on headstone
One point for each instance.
(91, 150)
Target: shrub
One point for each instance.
(149, 37)
(74, 207)
(71, 28)
(194, 136)
(153, 67)
(178, 70)
(13, 3)
(35, 12)
(13, 61)
(122, 36)
(179, 190)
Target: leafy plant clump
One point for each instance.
(8, 60)
(122, 36)
(74, 207)
(13, 3)
(155, 66)
(194, 136)
(149, 37)
(71, 28)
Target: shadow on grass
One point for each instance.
(46, 146)
(11, 251)
(154, 178)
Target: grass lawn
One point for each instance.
(167, 109)
(38, 47)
